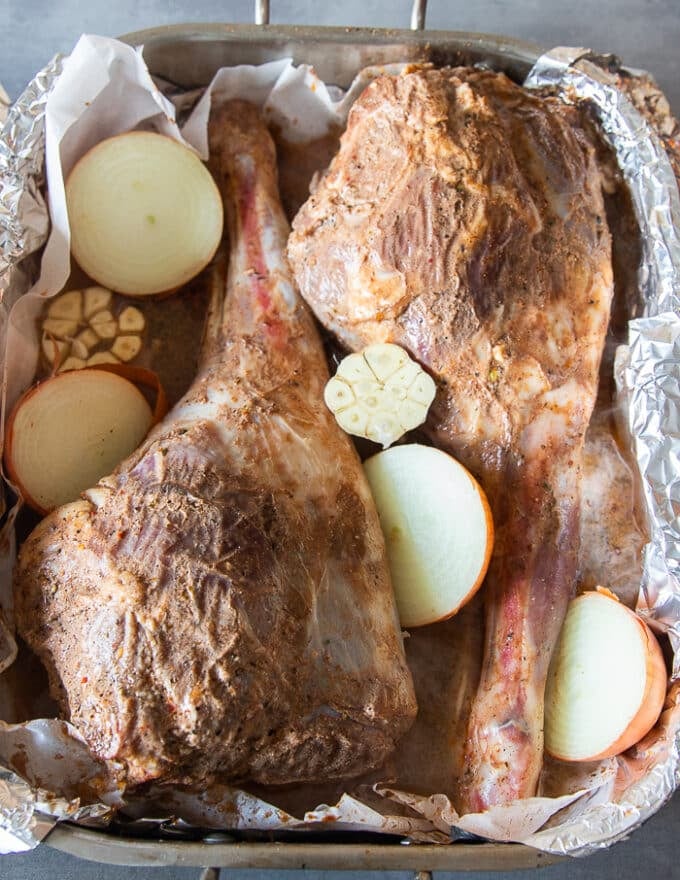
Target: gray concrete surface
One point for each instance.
(645, 33)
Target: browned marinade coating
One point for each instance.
(463, 219)
(221, 604)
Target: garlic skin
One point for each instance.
(380, 393)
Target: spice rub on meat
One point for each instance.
(463, 219)
(221, 604)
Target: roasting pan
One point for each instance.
(188, 55)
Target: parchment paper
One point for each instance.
(105, 88)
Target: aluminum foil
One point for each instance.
(648, 372)
(27, 815)
(648, 380)
(23, 227)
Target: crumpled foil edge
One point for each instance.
(648, 383)
(28, 815)
(648, 372)
(22, 140)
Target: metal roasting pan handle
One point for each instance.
(261, 11)
(418, 11)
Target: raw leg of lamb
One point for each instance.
(463, 219)
(221, 605)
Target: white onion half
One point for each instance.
(437, 526)
(69, 431)
(607, 680)
(145, 213)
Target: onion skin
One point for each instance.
(8, 452)
(135, 376)
(476, 586)
(653, 698)
(140, 376)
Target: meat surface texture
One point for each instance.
(221, 604)
(463, 219)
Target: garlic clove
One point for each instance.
(131, 320)
(102, 357)
(104, 324)
(67, 306)
(60, 327)
(127, 347)
(96, 299)
(71, 363)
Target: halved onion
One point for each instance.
(69, 431)
(437, 526)
(607, 680)
(145, 213)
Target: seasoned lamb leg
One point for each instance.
(463, 219)
(221, 604)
